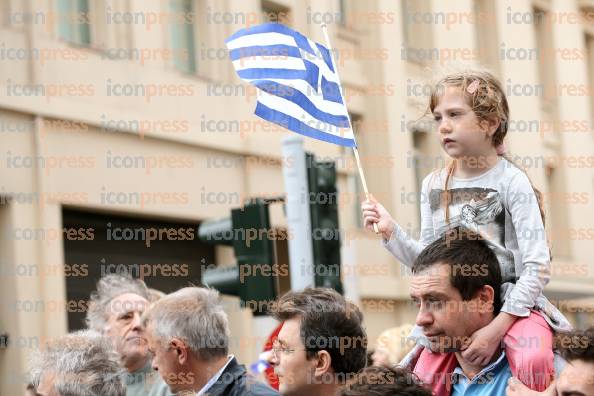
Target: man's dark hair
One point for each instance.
(384, 381)
(328, 322)
(577, 345)
(472, 263)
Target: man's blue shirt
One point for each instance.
(491, 380)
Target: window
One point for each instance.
(274, 12)
(90, 23)
(486, 33)
(5, 13)
(14, 13)
(588, 14)
(74, 21)
(416, 32)
(422, 161)
(546, 64)
(556, 223)
(342, 12)
(590, 66)
(546, 89)
(182, 36)
(106, 255)
(107, 31)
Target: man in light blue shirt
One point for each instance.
(492, 380)
(456, 285)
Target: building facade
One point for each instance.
(123, 126)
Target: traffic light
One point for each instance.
(323, 203)
(247, 230)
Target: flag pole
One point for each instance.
(355, 150)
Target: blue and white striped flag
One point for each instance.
(299, 86)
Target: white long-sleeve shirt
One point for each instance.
(501, 206)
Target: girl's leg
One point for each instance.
(529, 350)
(435, 370)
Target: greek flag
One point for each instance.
(299, 87)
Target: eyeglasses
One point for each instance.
(278, 347)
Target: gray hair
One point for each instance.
(84, 363)
(108, 288)
(195, 315)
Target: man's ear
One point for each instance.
(181, 349)
(486, 299)
(323, 363)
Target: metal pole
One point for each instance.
(298, 215)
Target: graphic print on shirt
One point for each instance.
(478, 209)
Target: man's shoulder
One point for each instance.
(240, 382)
(160, 388)
(248, 385)
(254, 387)
(146, 382)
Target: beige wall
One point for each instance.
(375, 275)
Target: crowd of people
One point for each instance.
(140, 342)
(478, 273)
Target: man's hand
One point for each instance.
(374, 212)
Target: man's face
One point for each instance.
(576, 379)
(295, 373)
(446, 319)
(165, 360)
(124, 327)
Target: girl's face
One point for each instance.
(461, 133)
